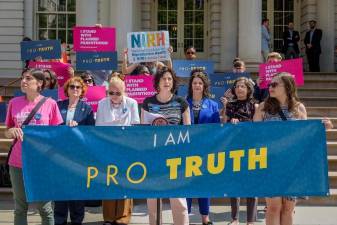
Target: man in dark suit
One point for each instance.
(312, 43)
(291, 38)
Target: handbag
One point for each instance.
(4, 168)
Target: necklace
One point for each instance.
(196, 105)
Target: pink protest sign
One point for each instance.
(60, 69)
(91, 39)
(139, 87)
(292, 66)
(92, 97)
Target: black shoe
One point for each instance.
(208, 223)
(76, 223)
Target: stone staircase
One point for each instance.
(319, 95)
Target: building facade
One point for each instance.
(219, 29)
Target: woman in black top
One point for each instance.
(241, 109)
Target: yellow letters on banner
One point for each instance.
(236, 156)
(212, 169)
(261, 159)
(193, 164)
(111, 176)
(144, 173)
(90, 175)
(173, 164)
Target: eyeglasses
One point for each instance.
(27, 78)
(47, 78)
(73, 87)
(240, 86)
(190, 53)
(274, 84)
(88, 81)
(117, 93)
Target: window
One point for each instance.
(55, 19)
(280, 13)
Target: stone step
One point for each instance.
(315, 111)
(333, 179)
(317, 92)
(332, 147)
(319, 101)
(331, 135)
(332, 163)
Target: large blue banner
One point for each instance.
(183, 68)
(210, 160)
(96, 60)
(46, 49)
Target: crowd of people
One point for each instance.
(245, 101)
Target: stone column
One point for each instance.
(326, 22)
(249, 32)
(229, 33)
(28, 19)
(86, 12)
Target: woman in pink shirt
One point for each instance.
(32, 83)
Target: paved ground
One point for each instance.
(305, 215)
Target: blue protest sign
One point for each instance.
(182, 90)
(225, 79)
(208, 160)
(96, 60)
(52, 93)
(46, 49)
(217, 93)
(3, 111)
(183, 68)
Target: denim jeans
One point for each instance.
(21, 204)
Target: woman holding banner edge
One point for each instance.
(32, 109)
(241, 109)
(172, 110)
(282, 104)
(203, 110)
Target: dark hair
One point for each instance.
(264, 20)
(53, 79)
(238, 63)
(190, 47)
(249, 84)
(199, 73)
(37, 74)
(26, 39)
(272, 105)
(160, 73)
(236, 59)
(87, 74)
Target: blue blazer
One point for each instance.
(209, 112)
(83, 112)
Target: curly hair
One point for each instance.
(160, 73)
(249, 84)
(199, 73)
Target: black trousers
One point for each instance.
(313, 60)
(76, 209)
(251, 209)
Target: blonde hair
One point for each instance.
(274, 55)
(116, 81)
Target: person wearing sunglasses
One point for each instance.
(74, 112)
(51, 80)
(241, 108)
(203, 110)
(117, 110)
(88, 79)
(18, 113)
(190, 53)
(281, 104)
